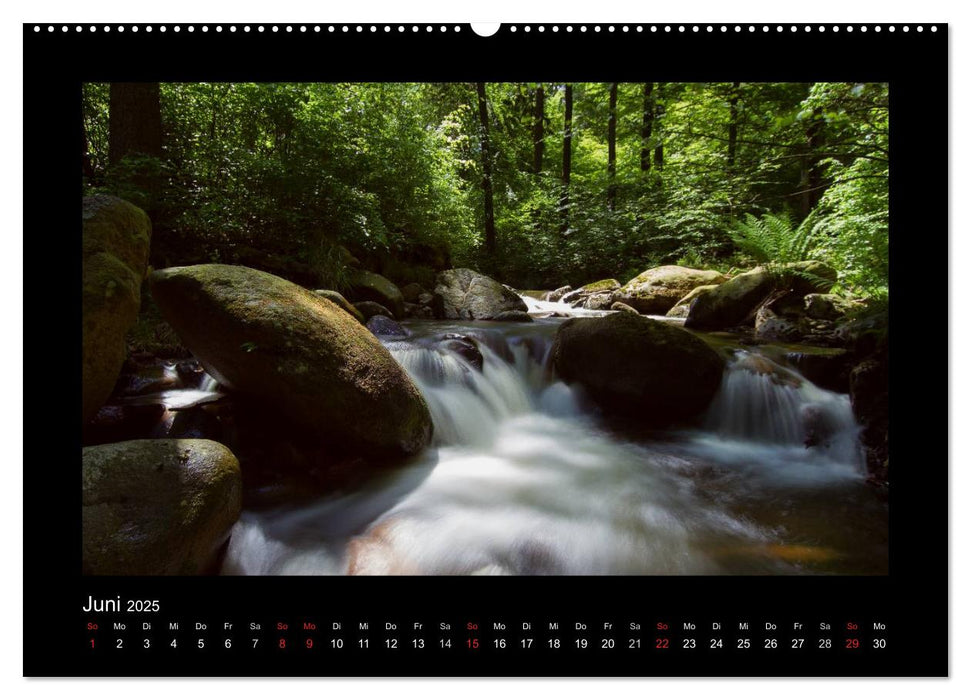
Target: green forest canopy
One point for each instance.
(539, 184)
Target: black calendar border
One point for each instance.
(912, 599)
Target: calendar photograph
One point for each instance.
(485, 328)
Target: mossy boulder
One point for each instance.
(287, 347)
(157, 507)
(657, 290)
(683, 305)
(621, 306)
(370, 286)
(828, 307)
(735, 301)
(557, 294)
(645, 369)
(370, 309)
(338, 298)
(114, 248)
(467, 294)
(579, 295)
(411, 292)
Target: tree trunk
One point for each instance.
(490, 219)
(567, 155)
(812, 176)
(658, 111)
(87, 167)
(647, 125)
(539, 114)
(135, 129)
(732, 126)
(134, 121)
(612, 149)
(815, 136)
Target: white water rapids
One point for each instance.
(525, 478)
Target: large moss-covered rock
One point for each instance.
(370, 286)
(683, 305)
(734, 301)
(157, 507)
(578, 296)
(338, 298)
(467, 294)
(263, 336)
(646, 369)
(114, 249)
(657, 290)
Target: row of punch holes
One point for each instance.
(414, 28)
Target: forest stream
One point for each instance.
(525, 477)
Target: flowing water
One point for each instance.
(525, 477)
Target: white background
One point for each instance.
(932, 271)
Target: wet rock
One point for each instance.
(412, 292)
(557, 294)
(657, 290)
(467, 294)
(668, 375)
(829, 369)
(157, 507)
(138, 380)
(771, 326)
(516, 316)
(370, 286)
(370, 309)
(190, 372)
(578, 296)
(267, 338)
(598, 302)
(733, 302)
(383, 326)
(683, 305)
(465, 347)
(621, 306)
(827, 307)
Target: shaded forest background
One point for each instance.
(537, 184)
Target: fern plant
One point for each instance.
(773, 242)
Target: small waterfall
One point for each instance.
(523, 480)
(765, 403)
(208, 383)
(536, 306)
(468, 406)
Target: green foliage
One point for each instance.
(771, 239)
(294, 173)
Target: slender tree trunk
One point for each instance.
(490, 219)
(658, 124)
(87, 168)
(816, 146)
(567, 155)
(732, 127)
(539, 114)
(135, 129)
(812, 176)
(647, 126)
(134, 121)
(612, 149)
